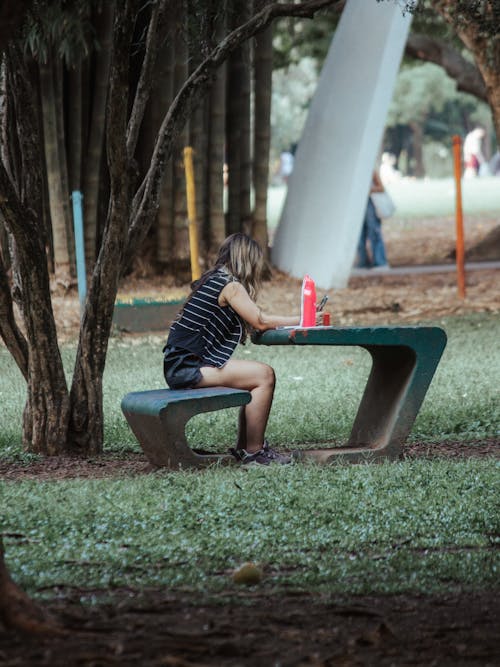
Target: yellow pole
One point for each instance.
(191, 206)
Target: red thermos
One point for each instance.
(308, 303)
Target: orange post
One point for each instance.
(459, 218)
(191, 206)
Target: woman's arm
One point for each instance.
(235, 295)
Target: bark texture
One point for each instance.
(262, 140)
(216, 232)
(54, 165)
(46, 411)
(97, 125)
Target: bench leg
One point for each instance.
(162, 432)
(395, 390)
(163, 439)
(387, 410)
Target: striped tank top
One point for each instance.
(205, 328)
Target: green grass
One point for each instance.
(423, 198)
(424, 525)
(418, 526)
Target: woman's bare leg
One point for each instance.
(259, 380)
(242, 429)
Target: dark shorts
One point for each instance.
(181, 368)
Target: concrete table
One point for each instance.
(404, 360)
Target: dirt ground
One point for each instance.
(264, 629)
(372, 298)
(258, 625)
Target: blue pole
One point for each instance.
(77, 197)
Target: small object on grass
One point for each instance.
(248, 574)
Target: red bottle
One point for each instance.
(308, 303)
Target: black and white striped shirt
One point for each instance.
(205, 328)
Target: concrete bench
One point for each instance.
(158, 420)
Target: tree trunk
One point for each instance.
(6, 132)
(216, 232)
(262, 139)
(9, 331)
(491, 76)
(417, 143)
(27, 126)
(199, 142)
(163, 93)
(53, 165)
(246, 128)
(47, 407)
(234, 96)
(75, 128)
(198, 128)
(63, 163)
(181, 236)
(97, 125)
(238, 130)
(46, 412)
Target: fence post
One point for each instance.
(77, 197)
(191, 207)
(459, 220)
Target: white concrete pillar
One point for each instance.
(327, 193)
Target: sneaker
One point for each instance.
(264, 456)
(274, 456)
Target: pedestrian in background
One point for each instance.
(371, 233)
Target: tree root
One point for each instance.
(18, 612)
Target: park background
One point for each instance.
(405, 553)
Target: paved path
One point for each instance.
(429, 268)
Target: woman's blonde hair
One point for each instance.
(243, 258)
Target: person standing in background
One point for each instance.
(286, 165)
(473, 152)
(371, 232)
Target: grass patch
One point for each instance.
(419, 198)
(417, 526)
(422, 526)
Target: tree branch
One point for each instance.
(430, 49)
(144, 86)
(9, 331)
